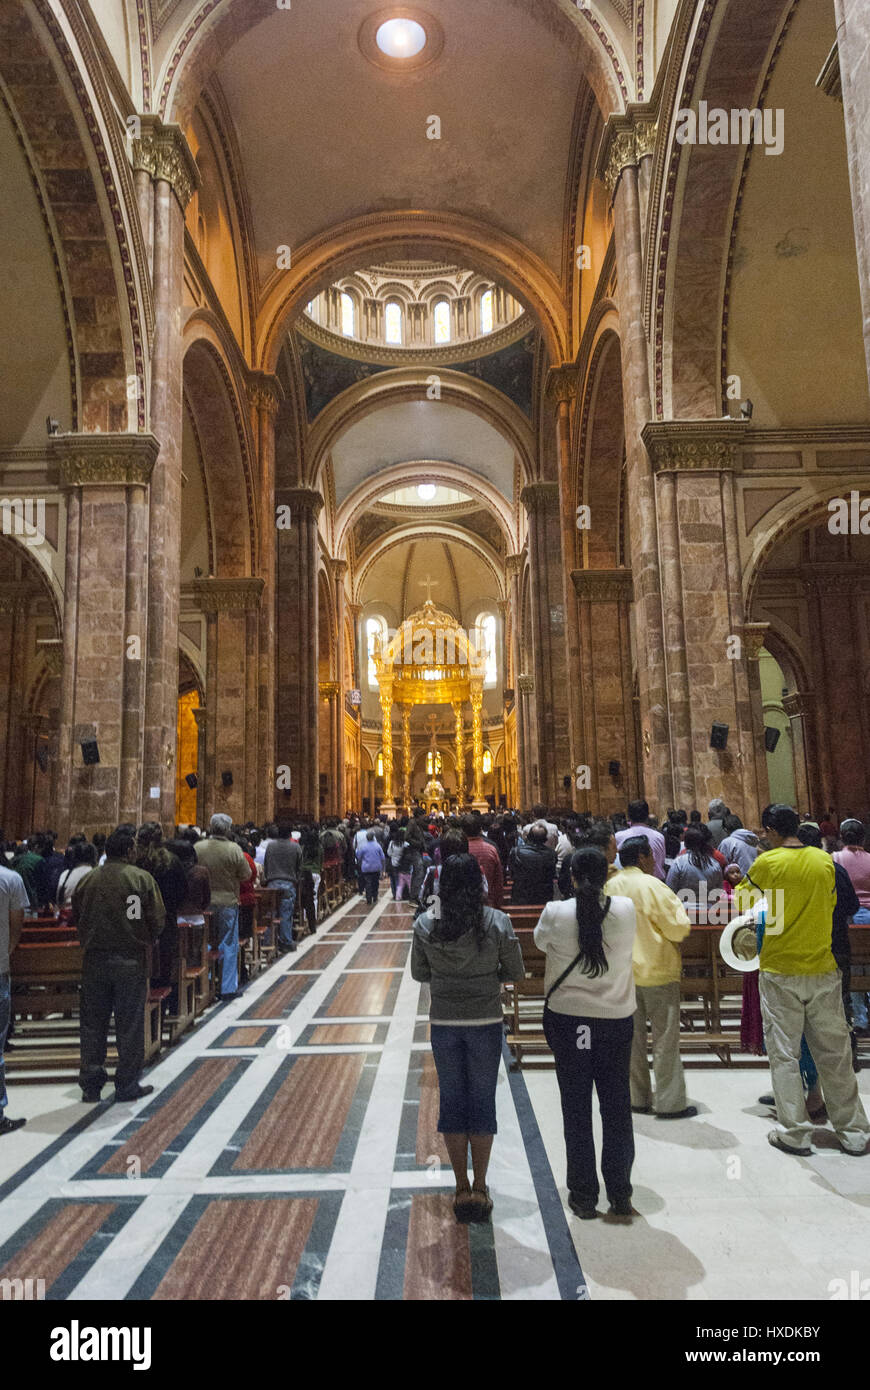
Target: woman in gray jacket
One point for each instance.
(464, 953)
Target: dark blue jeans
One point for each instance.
(604, 1063)
(5, 1015)
(467, 1061)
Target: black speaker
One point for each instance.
(719, 735)
(190, 779)
(42, 757)
(90, 751)
(227, 779)
(566, 782)
(613, 768)
(771, 738)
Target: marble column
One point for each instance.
(459, 737)
(708, 642)
(204, 803)
(627, 139)
(164, 155)
(338, 574)
(406, 756)
(528, 789)
(552, 754)
(853, 45)
(562, 389)
(799, 706)
(15, 765)
(231, 607)
(297, 707)
(104, 632)
(604, 601)
(388, 805)
(264, 395)
(479, 802)
(513, 567)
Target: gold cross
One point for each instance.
(427, 584)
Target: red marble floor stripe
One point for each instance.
(336, 1033)
(245, 1250)
(429, 1141)
(318, 956)
(361, 994)
(275, 1000)
(245, 1037)
(383, 954)
(48, 1254)
(438, 1257)
(156, 1134)
(303, 1122)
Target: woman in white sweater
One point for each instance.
(588, 1022)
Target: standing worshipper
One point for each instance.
(638, 815)
(486, 855)
(739, 846)
(696, 872)
(716, 813)
(371, 861)
(662, 922)
(465, 950)
(227, 870)
(281, 869)
(310, 870)
(588, 1013)
(13, 905)
(853, 857)
(119, 914)
(800, 987)
(533, 867)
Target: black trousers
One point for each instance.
(119, 985)
(372, 881)
(599, 1057)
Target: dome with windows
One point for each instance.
(414, 306)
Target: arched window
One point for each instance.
(486, 311)
(393, 322)
(486, 630)
(434, 764)
(376, 634)
(379, 765)
(348, 316)
(441, 317)
(487, 762)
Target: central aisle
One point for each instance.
(290, 1151)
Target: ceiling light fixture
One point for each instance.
(401, 38)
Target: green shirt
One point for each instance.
(800, 887)
(118, 908)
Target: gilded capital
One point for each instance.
(228, 595)
(513, 564)
(107, 459)
(562, 383)
(329, 690)
(695, 446)
(753, 636)
(163, 152)
(265, 392)
(303, 499)
(629, 137)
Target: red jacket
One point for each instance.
(487, 857)
(246, 890)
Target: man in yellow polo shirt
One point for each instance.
(662, 922)
(799, 984)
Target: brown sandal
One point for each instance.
(464, 1207)
(481, 1210)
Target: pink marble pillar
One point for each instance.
(297, 708)
(562, 389)
(265, 394)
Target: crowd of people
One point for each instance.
(613, 892)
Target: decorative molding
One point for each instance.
(329, 690)
(164, 153)
(514, 564)
(265, 392)
(228, 595)
(305, 499)
(107, 459)
(629, 137)
(537, 497)
(459, 350)
(562, 384)
(603, 586)
(753, 635)
(698, 446)
(526, 684)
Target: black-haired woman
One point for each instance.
(464, 950)
(588, 1022)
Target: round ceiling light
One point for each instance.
(401, 38)
(426, 491)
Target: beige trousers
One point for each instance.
(661, 1005)
(811, 1004)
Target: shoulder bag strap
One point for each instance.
(565, 973)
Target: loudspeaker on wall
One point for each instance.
(191, 780)
(90, 751)
(771, 738)
(719, 735)
(227, 779)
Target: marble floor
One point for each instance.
(290, 1152)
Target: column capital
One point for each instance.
(52, 650)
(695, 446)
(526, 684)
(753, 636)
(111, 460)
(228, 595)
(338, 569)
(163, 152)
(265, 392)
(303, 499)
(798, 703)
(603, 586)
(201, 717)
(628, 138)
(513, 564)
(328, 690)
(561, 385)
(536, 497)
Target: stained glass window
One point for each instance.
(434, 764)
(487, 762)
(442, 321)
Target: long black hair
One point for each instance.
(699, 846)
(460, 891)
(589, 875)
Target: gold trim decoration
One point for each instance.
(107, 459)
(753, 636)
(629, 137)
(265, 392)
(228, 595)
(163, 152)
(603, 586)
(328, 690)
(562, 384)
(698, 446)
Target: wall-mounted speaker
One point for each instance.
(613, 767)
(90, 751)
(566, 782)
(719, 736)
(771, 738)
(227, 779)
(191, 780)
(42, 757)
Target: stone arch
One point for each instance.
(400, 535)
(599, 460)
(74, 179)
(726, 67)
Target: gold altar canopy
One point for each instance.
(431, 660)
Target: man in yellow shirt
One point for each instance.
(800, 988)
(662, 922)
